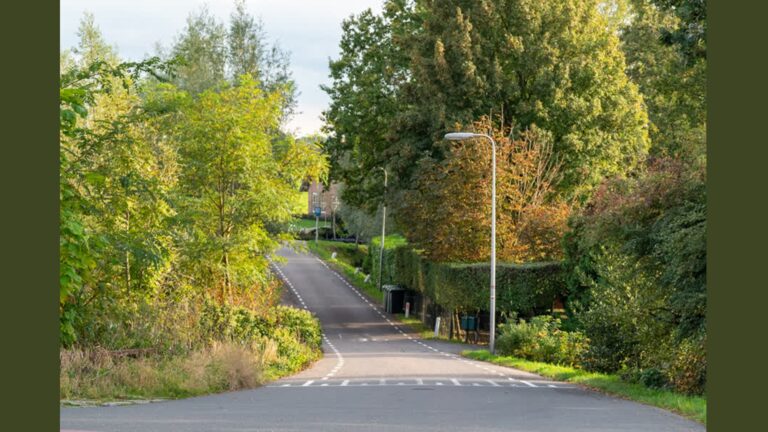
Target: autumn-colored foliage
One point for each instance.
(449, 210)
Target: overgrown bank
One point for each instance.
(175, 186)
(236, 349)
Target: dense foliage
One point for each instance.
(449, 207)
(609, 96)
(171, 200)
(521, 289)
(541, 339)
(406, 77)
(637, 257)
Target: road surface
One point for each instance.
(375, 376)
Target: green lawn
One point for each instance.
(390, 241)
(301, 223)
(693, 407)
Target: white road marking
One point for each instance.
(455, 382)
(308, 383)
(375, 309)
(344, 383)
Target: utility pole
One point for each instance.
(383, 227)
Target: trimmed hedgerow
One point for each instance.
(522, 289)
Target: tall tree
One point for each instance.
(215, 53)
(449, 207)
(672, 81)
(553, 64)
(234, 181)
(405, 78)
(249, 53)
(91, 44)
(202, 45)
(366, 81)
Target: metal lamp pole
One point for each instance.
(459, 136)
(383, 227)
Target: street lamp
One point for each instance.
(383, 226)
(459, 136)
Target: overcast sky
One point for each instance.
(309, 29)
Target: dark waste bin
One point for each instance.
(469, 322)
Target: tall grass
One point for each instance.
(95, 374)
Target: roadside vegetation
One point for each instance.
(693, 407)
(177, 182)
(600, 125)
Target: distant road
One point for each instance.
(375, 376)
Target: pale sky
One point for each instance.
(309, 29)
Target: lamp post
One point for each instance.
(459, 136)
(383, 226)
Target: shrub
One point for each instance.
(524, 289)
(653, 378)
(542, 340)
(299, 323)
(687, 372)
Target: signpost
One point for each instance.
(318, 211)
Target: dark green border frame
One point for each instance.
(736, 240)
(30, 213)
(737, 235)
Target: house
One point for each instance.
(324, 198)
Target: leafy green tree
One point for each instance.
(202, 45)
(690, 33)
(215, 54)
(552, 64)
(366, 81)
(91, 45)
(249, 53)
(406, 77)
(673, 84)
(637, 256)
(96, 128)
(234, 181)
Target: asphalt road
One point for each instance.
(375, 376)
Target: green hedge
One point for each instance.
(524, 289)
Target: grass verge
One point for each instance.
(692, 407)
(301, 223)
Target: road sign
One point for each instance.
(318, 211)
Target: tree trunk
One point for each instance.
(127, 252)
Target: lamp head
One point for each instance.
(458, 136)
